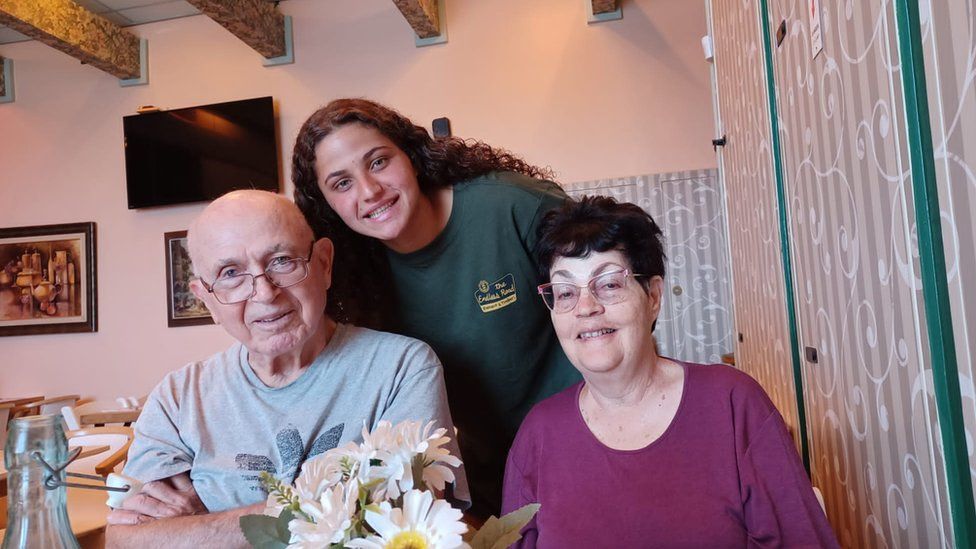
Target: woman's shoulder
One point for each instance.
(553, 416)
(724, 381)
(559, 407)
(511, 186)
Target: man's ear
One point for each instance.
(203, 295)
(324, 253)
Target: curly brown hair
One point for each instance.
(362, 289)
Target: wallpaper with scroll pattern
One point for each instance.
(757, 266)
(949, 40)
(872, 414)
(695, 323)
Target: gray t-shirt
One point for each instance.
(219, 421)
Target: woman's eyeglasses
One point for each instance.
(607, 289)
(282, 272)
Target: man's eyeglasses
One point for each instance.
(607, 289)
(282, 272)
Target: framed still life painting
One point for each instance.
(47, 279)
(183, 308)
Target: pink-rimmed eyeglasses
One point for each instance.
(606, 288)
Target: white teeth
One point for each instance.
(376, 213)
(596, 333)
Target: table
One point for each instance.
(88, 515)
(102, 417)
(17, 401)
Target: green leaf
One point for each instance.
(264, 532)
(500, 533)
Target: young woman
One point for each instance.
(434, 239)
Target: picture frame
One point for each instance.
(182, 307)
(48, 282)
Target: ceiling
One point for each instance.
(125, 13)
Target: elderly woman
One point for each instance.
(646, 451)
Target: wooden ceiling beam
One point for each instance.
(422, 16)
(604, 6)
(258, 23)
(66, 26)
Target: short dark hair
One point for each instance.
(600, 224)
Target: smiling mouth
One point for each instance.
(373, 214)
(595, 333)
(271, 319)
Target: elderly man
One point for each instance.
(295, 385)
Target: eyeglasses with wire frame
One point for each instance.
(607, 289)
(283, 272)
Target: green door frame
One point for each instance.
(784, 233)
(935, 282)
(938, 315)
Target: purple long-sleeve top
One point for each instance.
(725, 473)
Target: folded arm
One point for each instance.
(170, 510)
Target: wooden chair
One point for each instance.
(53, 405)
(50, 405)
(110, 411)
(117, 438)
(4, 418)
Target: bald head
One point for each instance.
(240, 212)
(263, 275)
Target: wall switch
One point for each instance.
(441, 127)
(811, 355)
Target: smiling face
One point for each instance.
(371, 184)
(246, 232)
(602, 338)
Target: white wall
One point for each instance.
(592, 101)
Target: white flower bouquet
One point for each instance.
(375, 495)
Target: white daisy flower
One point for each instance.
(331, 516)
(410, 439)
(318, 474)
(422, 523)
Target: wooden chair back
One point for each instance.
(110, 411)
(117, 438)
(4, 419)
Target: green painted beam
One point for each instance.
(784, 235)
(935, 286)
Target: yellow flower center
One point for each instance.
(410, 539)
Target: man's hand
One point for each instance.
(164, 498)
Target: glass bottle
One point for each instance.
(37, 517)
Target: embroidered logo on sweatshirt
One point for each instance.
(495, 295)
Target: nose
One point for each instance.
(587, 305)
(370, 188)
(264, 290)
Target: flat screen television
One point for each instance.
(199, 153)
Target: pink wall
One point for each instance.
(613, 99)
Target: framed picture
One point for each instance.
(47, 279)
(182, 307)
